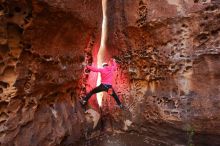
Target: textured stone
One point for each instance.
(167, 75)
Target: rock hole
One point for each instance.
(27, 46)
(211, 8)
(215, 32)
(141, 2)
(188, 67)
(144, 67)
(174, 113)
(3, 105)
(69, 90)
(10, 15)
(179, 31)
(4, 49)
(218, 16)
(202, 24)
(1, 7)
(29, 16)
(81, 58)
(17, 9)
(196, 1)
(202, 36)
(11, 27)
(1, 59)
(184, 25)
(206, 18)
(181, 93)
(167, 112)
(4, 84)
(142, 8)
(188, 61)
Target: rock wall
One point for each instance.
(42, 51)
(171, 52)
(167, 76)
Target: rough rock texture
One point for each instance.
(168, 73)
(42, 50)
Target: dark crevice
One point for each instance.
(211, 8)
(13, 28)
(215, 32)
(4, 84)
(17, 9)
(1, 8)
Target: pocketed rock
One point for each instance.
(167, 75)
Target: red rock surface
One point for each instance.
(168, 72)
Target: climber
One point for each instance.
(106, 82)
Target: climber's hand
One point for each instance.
(87, 70)
(87, 67)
